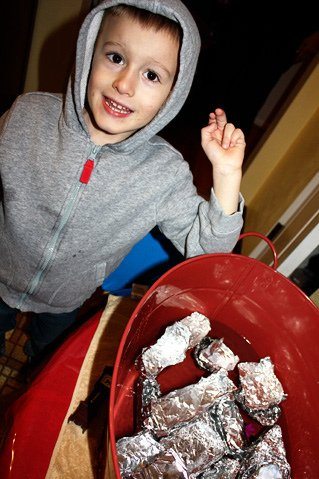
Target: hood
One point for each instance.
(173, 9)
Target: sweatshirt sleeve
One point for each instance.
(194, 225)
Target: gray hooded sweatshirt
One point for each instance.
(70, 210)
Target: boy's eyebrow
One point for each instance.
(116, 44)
(152, 60)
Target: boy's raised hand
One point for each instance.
(224, 146)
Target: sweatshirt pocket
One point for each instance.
(75, 290)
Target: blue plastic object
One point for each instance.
(144, 264)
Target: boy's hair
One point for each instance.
(147, 19)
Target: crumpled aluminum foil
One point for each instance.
(199, 428)
(229, 424)
(171, 347)
(213, 354)
(198, 444)
(225, 468)
(136, 451)
(182, 405)
(148, 390)
(266, 458)
(198, 325)
(168, 465)
(266, 417)
(260, 388)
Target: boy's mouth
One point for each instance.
(115, 108)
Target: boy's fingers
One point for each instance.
(221, 118)
(238, 138)
(212, 118)
(208, 135)
(227, 136)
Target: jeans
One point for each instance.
(44, 327)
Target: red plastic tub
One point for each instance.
(259, 313)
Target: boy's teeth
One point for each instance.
(116, 107)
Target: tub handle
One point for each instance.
(268, 241)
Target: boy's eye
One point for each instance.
(115, 58)
(151, 76)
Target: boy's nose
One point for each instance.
(125, 83)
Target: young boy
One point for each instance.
(85, 177)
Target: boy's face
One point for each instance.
(132, 74)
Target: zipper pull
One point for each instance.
(87, 171)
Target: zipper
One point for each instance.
(52, 246)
